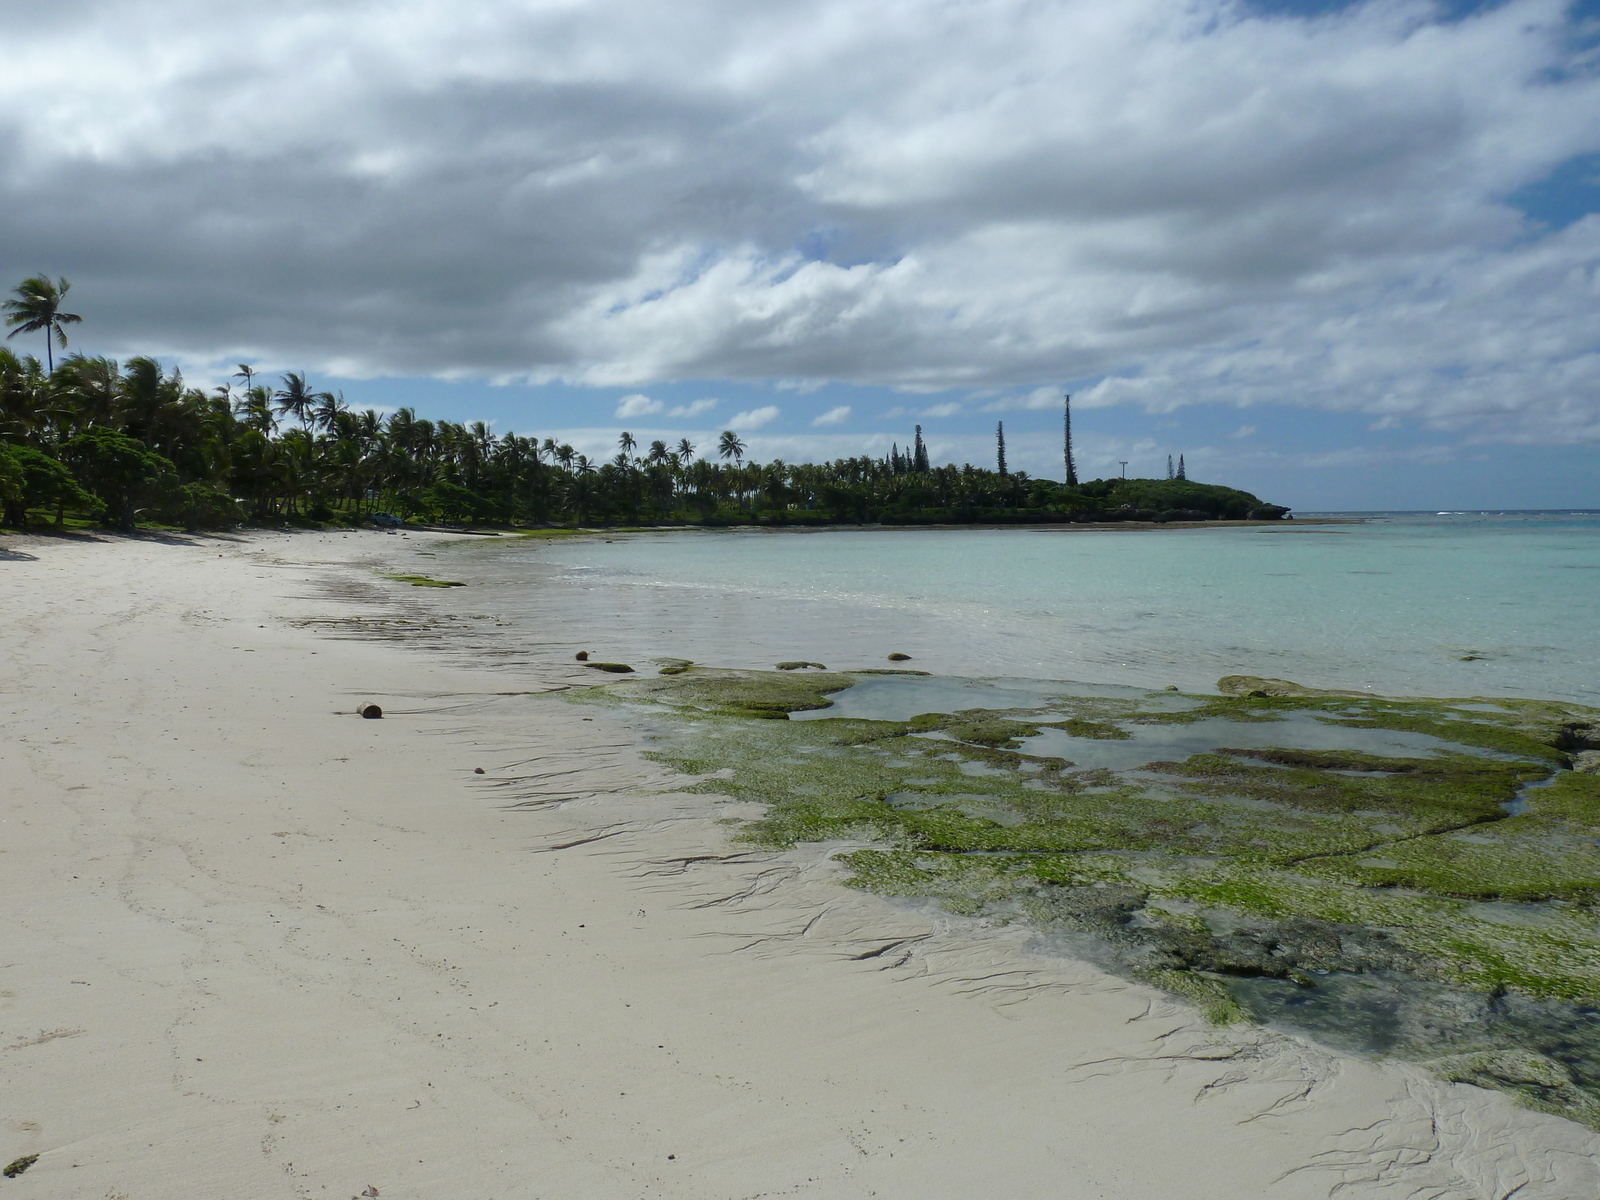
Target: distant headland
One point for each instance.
(91, 441)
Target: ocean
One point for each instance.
(1438, 604)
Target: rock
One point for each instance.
(800, 666)
(477, 770)
(370, 711)
(1581, 737)
(899, 658)
(614, 668)
(582, 656)
(1269, 512)
(1257, 687)
(1523, 1072)
(1587, 762)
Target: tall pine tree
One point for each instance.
(1181, 473)
(1066, 440)
(1000, 448)
(919, 456)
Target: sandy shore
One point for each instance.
(257, 947)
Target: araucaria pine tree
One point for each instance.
(1000, 448)
(1181, 473)
(919, 455)
(1066, 441)
(1169, 467)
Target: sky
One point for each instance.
(1345, 255)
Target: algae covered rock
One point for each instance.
(800, 665)
(765, 694)
(1536, 1078)
(1260, 687)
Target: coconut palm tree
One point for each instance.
(627, 445)
(729, 446)
(685, 450)
(296, 398)
(38, 306)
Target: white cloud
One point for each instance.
(834, 416)
(1185, 200)
(1244, 431)
(755, 418)
(693, 409)
(637, 405)
(948, 409)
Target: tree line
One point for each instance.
(92, 439)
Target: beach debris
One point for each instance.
(370, 1192)
(18, 1166)
(582, 656)
(614, 668)
(370, 711)
(800, 666)
(898, 657)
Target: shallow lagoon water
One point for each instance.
(1451, 605)
(1440, 606)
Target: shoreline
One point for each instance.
(263, 946)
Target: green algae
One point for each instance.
(425, 581)
(1472, 866)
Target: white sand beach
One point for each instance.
(256, 946)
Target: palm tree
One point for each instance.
(729, 446)
(627, 445)
(294, 397)
(685, 450)
(38, 306)
(328, 409)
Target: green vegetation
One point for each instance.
(1466, 866)
(132, 443)
(425, 581)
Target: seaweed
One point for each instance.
(1471, 868)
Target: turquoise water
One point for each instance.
(1457, 604)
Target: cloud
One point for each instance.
(949, 409)
(693, 409)
(755, 418)
(1244, 431)
(637, 405)
(834, 416)
(1161, 202)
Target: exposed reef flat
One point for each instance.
(1414, 877)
